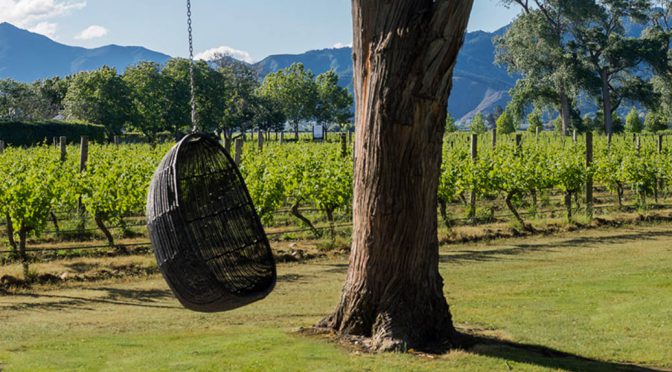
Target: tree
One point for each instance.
(477, 125)
(148, 94)
(404, 55)
(536, 47)
(100, 97)
(450, 127)
(294, 87)
(334, 103)
(599, 40)
(633, 123)
(505, 124)
(210, 92)
(241, 83)
(654, 123)
(535, 121)
(20, 101)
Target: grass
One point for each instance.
(602, 295)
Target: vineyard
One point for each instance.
(50, 202)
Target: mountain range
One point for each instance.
(478, 84)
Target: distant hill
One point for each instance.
(478, 84)
(27, 56)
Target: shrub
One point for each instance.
(18, 133)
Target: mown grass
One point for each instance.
(602, 295)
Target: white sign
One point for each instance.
(318, 132)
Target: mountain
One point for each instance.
(478, 83)
(27, 56)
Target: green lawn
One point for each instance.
(604, 296)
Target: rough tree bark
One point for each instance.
(565, 111)
(404, 55)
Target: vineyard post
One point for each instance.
(608, 140)
(494, 138)
(239, 150)
(344, 145)
(2, 147)
(660, 143)
(117, 140)
(537, 134)
(282, 137)
(83, 160)
(575, 137)
(519, 141)
(589, 179)
(260, 141)
(64, 144)
(474, 158)
(55, 141)
(638, 146)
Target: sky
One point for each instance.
(247, 29)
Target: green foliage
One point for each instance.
(100, 97)
(506, 124)
(654, 122)
(477, 125)
(295, 90)
(148, 95)
(334, 103)
(633, 124)
(25, 102)
(451, 126)
(534, 119)
(31, 133)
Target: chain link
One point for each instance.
(192, 82)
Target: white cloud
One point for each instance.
(45, 28)
(225, 51)
(92, 32)
(342, 45)
(34, 14)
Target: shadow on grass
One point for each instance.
(541, 356)
(113, 296)
(462, 256)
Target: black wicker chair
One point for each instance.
(207, 237)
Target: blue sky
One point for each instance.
(248, 29)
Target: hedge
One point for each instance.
(32, 133)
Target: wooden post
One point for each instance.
(2, 146)
(474, 158)
(282, 137)
(537, 130)
(64, 151)
(519, 140)
(589, 180)
(84, 153)
(344, 145)
(494, 138)
(660, 143)
(638, 145)
(117, 140)
(260, 141)
(575, 136)
(83, 161)
(239, 150)
(608, 140)
(55, 141)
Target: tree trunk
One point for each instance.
(108, 235)
(10, 235)
(565, 112)
(404, 55)
(443, 208)
(54, 220)
(568, 205)
(297, 213)
(23, 255)
(606, 103)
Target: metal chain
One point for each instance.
(192, 82)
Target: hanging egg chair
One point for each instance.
(207, 237)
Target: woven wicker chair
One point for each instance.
(207, 237)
